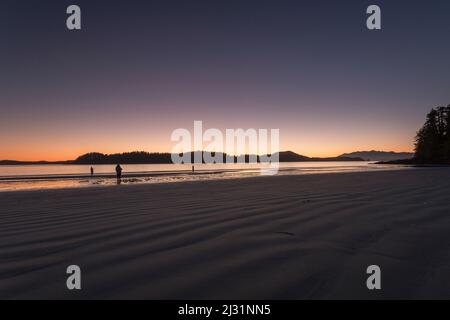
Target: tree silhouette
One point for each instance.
(433, 139)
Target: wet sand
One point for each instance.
(284, 237)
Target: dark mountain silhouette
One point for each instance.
(141, 157)
(289, 156)
(161, 158)
(379, 155)
(15, 162)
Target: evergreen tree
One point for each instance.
(433, 139)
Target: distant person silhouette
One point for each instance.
(92, 171)
(119, 173)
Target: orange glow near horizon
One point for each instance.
(66, 141)
(61, 153)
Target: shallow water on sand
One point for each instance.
(35, 177)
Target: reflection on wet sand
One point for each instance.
(52, 182)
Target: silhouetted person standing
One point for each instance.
(119, 173)
(92, 171)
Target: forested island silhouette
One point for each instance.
(143, 157)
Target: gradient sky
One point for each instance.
(140, 69)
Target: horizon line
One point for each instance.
(235, 155)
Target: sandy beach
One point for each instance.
(285, 237)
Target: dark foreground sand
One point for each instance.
(267, 237)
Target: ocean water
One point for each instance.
(32, 177)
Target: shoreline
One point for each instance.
(111, 175)
(162, 177)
